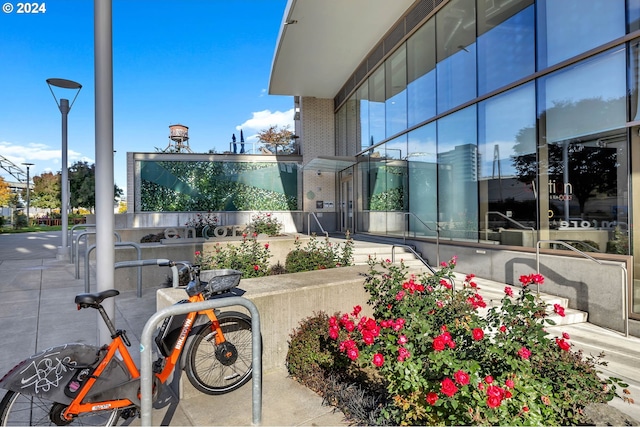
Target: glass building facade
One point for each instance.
(502, 122)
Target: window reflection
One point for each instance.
(396, 92)
(421, 63)
(569, 27)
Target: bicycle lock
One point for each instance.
(146, 370)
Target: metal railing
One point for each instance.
(500, 214)
(87, 275)
(426, 264)
(146, 364)
(70, 236)
(625, 296)
(437, 231)
(317, 222)
(144, 263)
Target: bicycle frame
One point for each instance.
(51, 372)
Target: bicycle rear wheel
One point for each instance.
(17, 409)
(214, 369)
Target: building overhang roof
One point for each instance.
(321, 42)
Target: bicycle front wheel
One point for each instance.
(219, 369)
(17, 409)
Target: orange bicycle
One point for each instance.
(90, 385)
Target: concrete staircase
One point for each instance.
(491, 291)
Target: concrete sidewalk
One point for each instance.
(37, 311)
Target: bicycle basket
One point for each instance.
(220, 280)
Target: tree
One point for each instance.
(82, 184)
(46, 192)
(275, 137)
(5, 192)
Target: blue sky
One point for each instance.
(201, 63)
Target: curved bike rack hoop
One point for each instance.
(146, 371)
(76, 248)
(87, 275)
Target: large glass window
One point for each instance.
(421, 64)
(396, 92)
(362, 96)
(584, 163)
(423, 180)
(506, 43)
(570, 27)
(507, 165)
(456, 54)
(458, 174)
(376, 106)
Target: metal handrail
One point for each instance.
(625, 296)
(317, 221)
(146, 364)
(437, 231)
(87, 276)
(500, 214)
(426, 264)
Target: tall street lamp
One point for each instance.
(64, 107)
(28, 165)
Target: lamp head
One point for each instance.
(64, 84)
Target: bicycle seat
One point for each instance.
(93, 300)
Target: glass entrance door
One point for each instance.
(346, 202)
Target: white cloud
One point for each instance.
(45, 158)
(262, 120)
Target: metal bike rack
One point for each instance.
(70, 236)
(143, 263)
(87, 275)
(146, 371)
(75, 256)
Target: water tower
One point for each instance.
(179, 139)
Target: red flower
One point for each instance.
(503, 328)
(478, 334)
(378, 359)
(266, 246)
(558, 309)
(403, 354)
(563, 344)
(525, 409)
(509, 383)
(493, 401)
(438, 343)
(432, 398)
(448, 387)
(488, 379)
(508, 291)
(461, 377)
(352, 353)
(333, 332)
(197, 253)
(524, 352)
(402, 339)
(565, 336)
(256, 267)
(356, 310)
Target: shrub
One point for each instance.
(250, 257)
(317, 255)
(201, 221)
(445, 364)
(265, 223)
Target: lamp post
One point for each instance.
(64, 107)
(28, 165)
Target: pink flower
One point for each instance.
(478, 334)
(488, 379)
(400, 295)
(461, 377)
(333, 332)
(508, 291)
(378, 359)
(403, 354)
(356, 310)
(352, 353)
(565, 336)
(197, 253)
(448, 387)
(266, 246)
(524, 352)
(432, 398)
(402, 339)
(509, 383)
(558, 309)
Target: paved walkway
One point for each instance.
(37, 311)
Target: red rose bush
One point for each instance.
(445, 364)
